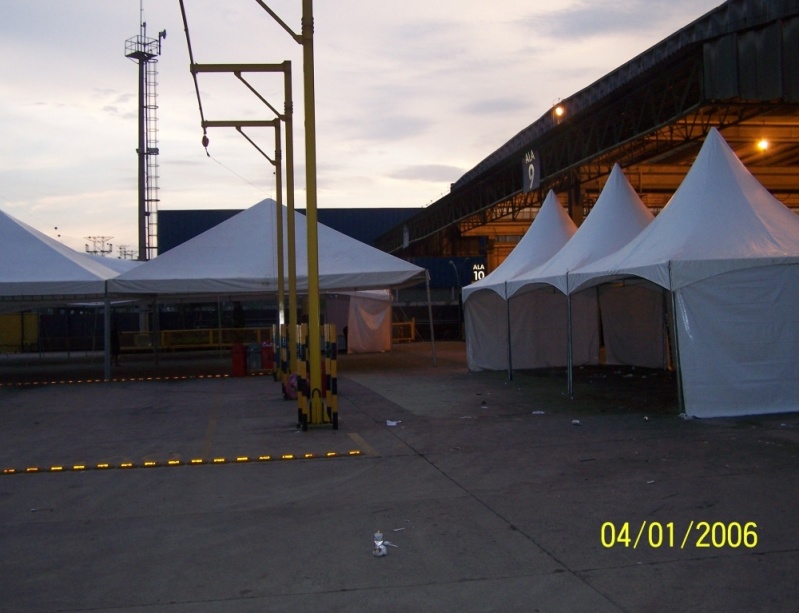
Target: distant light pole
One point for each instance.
(460, 305)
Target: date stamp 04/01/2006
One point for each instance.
(697, 534)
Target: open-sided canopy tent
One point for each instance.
(488, 322)
(238, 257)
(37, 269)
(616, 218)
(728, 252)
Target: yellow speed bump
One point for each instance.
(240, 459)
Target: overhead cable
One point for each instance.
(194, 76)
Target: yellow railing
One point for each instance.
(403, 331)
(206, 338)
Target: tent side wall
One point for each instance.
(738, 334)
(485, 319)
(368, 325)
(539, 332)
(633, 325)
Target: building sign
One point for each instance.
(531, 171)
(478, 272)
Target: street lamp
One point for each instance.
(460, 304)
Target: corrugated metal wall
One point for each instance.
(760, 64)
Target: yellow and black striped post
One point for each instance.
(283, 352)
(276, 361)
(331, 375)
(302, 376)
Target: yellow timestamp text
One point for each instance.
(697, 534)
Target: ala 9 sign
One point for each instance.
(531, 171)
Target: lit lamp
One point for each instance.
(558, 112)
(762, 144)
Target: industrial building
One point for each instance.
(736, 69)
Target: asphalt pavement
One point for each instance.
(178, 488)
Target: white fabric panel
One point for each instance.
(585, 328)
(485, 322)
(368, 325)
(738, 340)
(539, 329)
(633, 325)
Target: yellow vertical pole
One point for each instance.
(311, 216)
(288, 118)
(281, 316)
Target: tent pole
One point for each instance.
(676, 346)
(666, 341)
(570, 355)
(219, 324)
(507, 327)
(156, 330)
(677, 362)
(107, 336)
(430, 316)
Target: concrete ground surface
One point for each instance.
(499, 495)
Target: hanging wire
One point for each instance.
(233, 172)
(194, 76)
(205, 140)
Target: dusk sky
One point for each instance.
(409, 97)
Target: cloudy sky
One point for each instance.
(409, 95)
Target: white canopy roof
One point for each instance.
(549, 231)
(616, 218)
(36, 266)
(238, 257)
(720, 219)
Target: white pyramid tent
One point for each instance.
(37, 268)
(728, 252)
(238, 257)
(617, 217)
(485, 308)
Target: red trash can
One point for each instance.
(267, 356)
(238, 358)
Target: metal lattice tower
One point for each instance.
(145, 52)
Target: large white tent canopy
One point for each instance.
(728, 252)
(238, 257)
(36, 265)
(39, 270)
